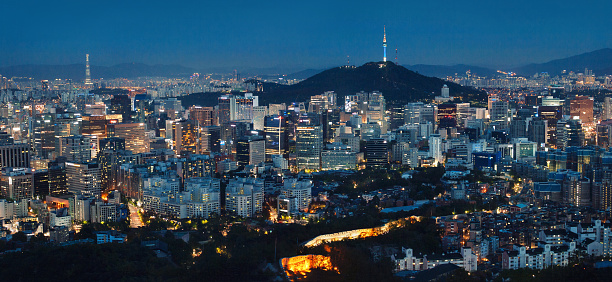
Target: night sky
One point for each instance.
(300, 34)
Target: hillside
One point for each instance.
(600, 61)
(76, 72)
(396, 82)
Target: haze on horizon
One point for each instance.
(307, 34)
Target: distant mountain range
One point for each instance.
(443, 71)
(600, 61)
(76, 72)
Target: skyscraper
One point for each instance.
(435, 148)
(210, 139)
(376, 152)
(276, 136)
(582, 108)
(607, 109)
(309, 141)
(83, 178)
(76, 148)
(185, 137)
(88, 82)
(17, 184)
(205, 116)
(250, 150)
(134, 134)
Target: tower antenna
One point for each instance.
(396, 62)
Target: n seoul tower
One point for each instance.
(384, 44)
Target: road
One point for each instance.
(135, 221)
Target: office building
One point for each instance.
(309, 141)
(83, 179)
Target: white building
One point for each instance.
(435, 147)
(205, 196)
(295, 196)
(538, 258)
(338, 156)
(244, 196)
(466, 260)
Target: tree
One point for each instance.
(20, 237)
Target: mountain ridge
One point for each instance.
(76, 72)
(397, 84)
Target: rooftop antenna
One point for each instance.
(348, 60)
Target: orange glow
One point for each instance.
(302, 265)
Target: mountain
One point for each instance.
(443, 71)
(396, 83)
(304, 74)
(77, 71)
(600, 61)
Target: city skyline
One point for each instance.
(307, 35)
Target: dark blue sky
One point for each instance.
(299, 34)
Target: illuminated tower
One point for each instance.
(384, 44)
(87, 72)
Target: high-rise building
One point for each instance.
(277, 138)
(445, 91)
(67, 124)
(499, 111)
(15, 155)
(435, 148)
(338, 156)
(134, 135)
(83, 179)
(259, 117)
(552, 114)
(17, 183)
(323, 102)
(205, 196)
(447, 115)
(244, 196)
(210, 139)
(230, 132)
(121, 104)
(569, 133)
(308, 145)
(518, 128)
(538, 131)
(251, 150)
(412, 113)
(44, 135)
(88, 82)
(112, 143)
(295, 196)
(205, 116)
(57, 177)
(376, 152)
(76, 148)
(225, 104)
(185, 137)
(581, 107)
(607, 109)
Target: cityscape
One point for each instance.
(377, 163)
